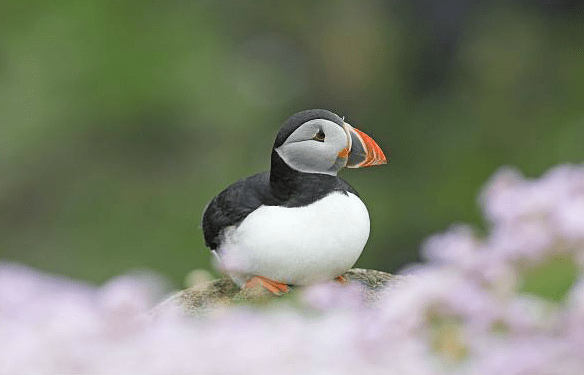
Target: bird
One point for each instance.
(297, 224)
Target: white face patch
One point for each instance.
(305, 154)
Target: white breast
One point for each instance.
(297, 245)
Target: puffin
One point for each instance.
(298, 223)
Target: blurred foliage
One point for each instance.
(119, 121)
(552, 279)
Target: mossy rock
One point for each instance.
(221, 293)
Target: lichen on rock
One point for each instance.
(221, 293)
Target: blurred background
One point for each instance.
(119, 121)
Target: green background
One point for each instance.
(119, 121)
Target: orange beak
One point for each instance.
(364, 150)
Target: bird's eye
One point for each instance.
(319, 136)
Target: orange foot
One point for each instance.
(341, 279)
(271, 285)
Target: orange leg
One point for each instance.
(271, 285)
(341, 279)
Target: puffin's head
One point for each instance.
(318, 141)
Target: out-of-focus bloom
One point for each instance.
(510, 302)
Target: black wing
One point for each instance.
(233, 205)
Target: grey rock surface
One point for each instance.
(220, 293)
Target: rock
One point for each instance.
(201, 298)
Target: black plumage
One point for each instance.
(297, 119)
(281, 186)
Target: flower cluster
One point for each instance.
(510, 302)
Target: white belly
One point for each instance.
(297, 245)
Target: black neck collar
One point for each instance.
(297, 188)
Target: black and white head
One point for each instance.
(319, 141)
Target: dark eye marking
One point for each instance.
(319, 136)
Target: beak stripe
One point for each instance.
(375, 155)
